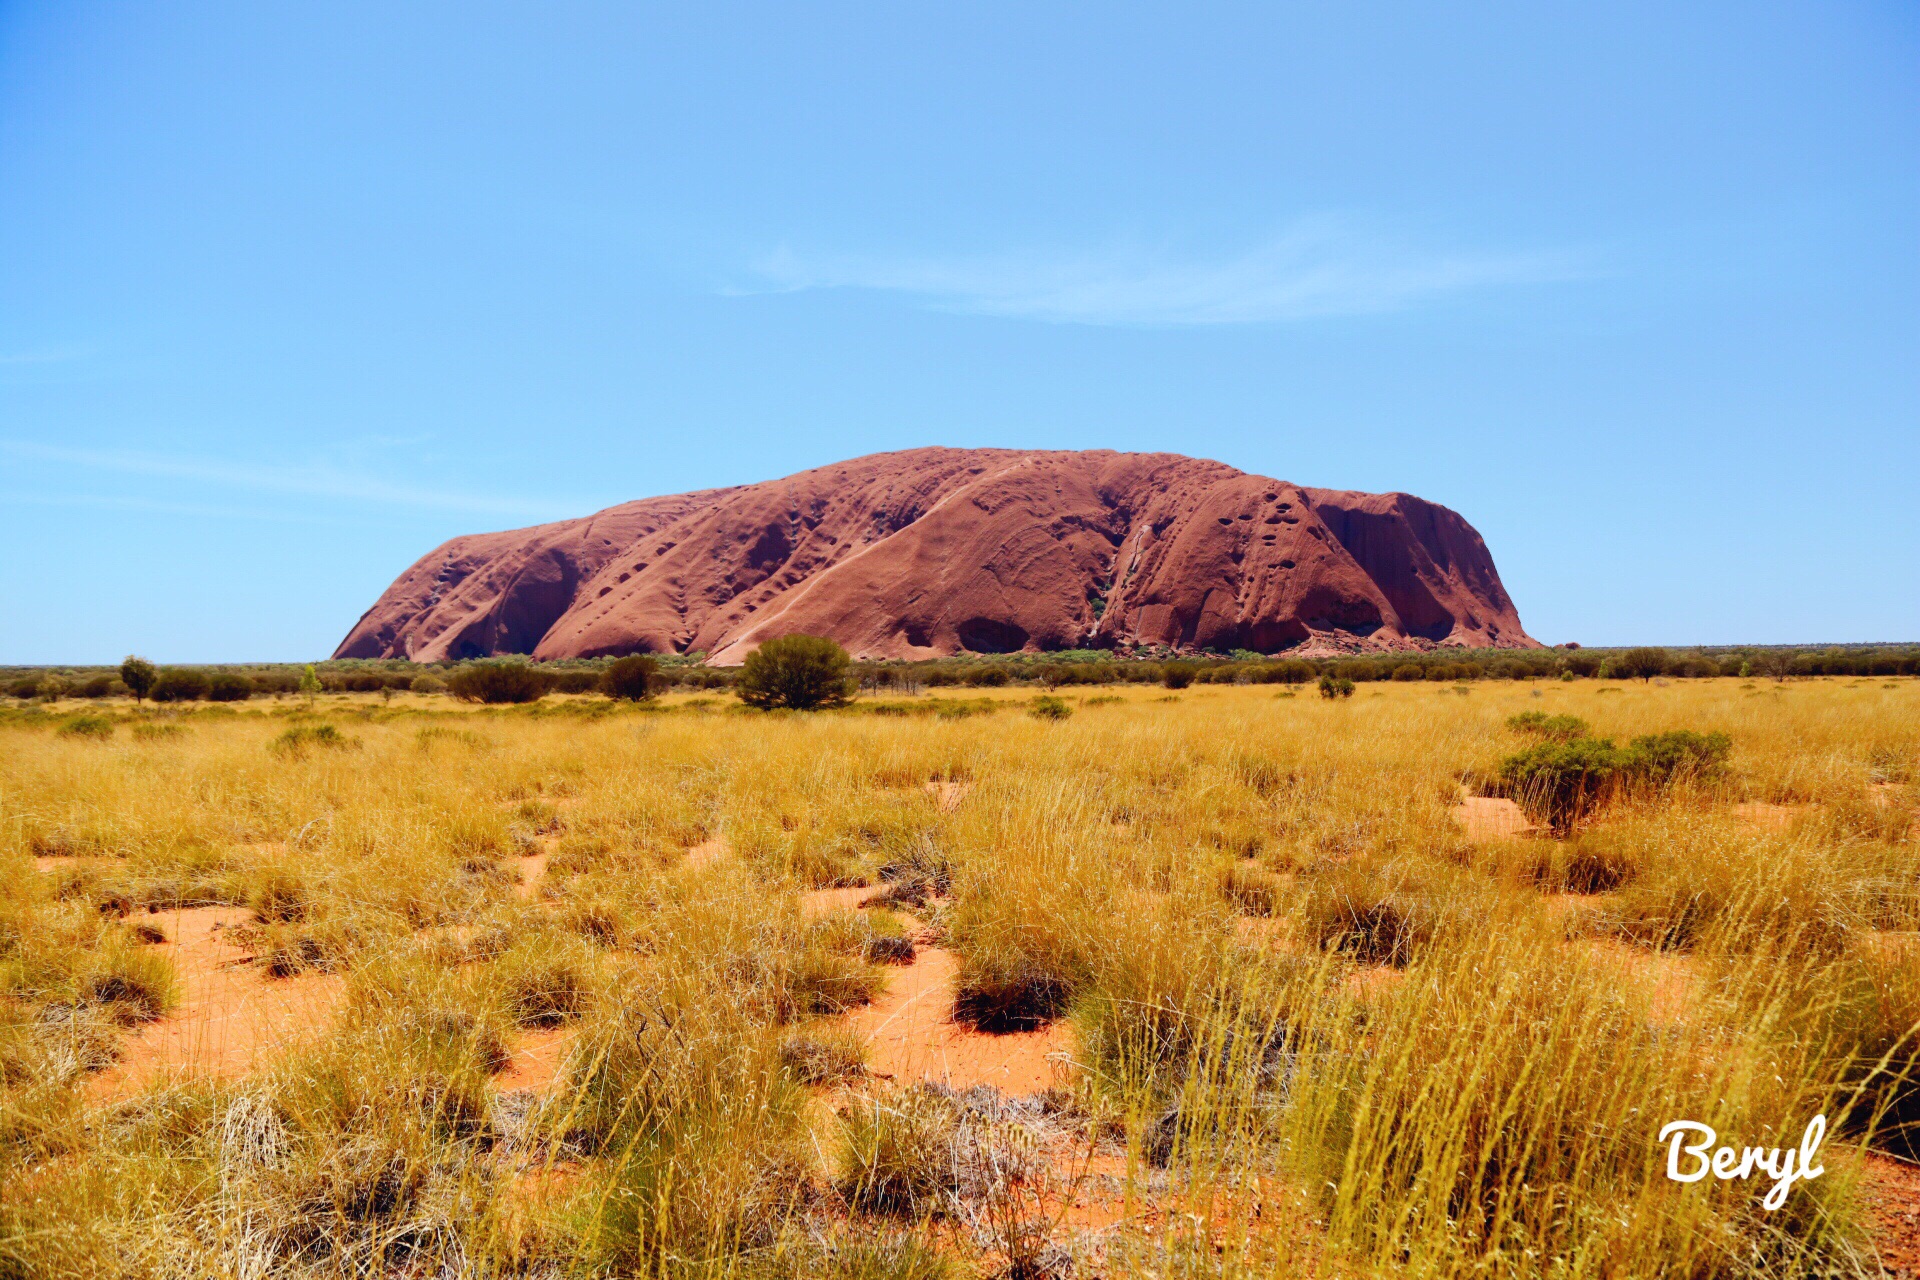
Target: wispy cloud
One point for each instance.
(1319, 267)
(317, 480)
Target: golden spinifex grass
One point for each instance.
(1318, 1026)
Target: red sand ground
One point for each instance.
(231, 1016)
(1893, 1201)
(1491, 818)
(911, 1035)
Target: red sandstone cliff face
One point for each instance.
(927, 552)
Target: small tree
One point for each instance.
(138, 675)
(309, 682)
(634, 678)
(798, 672)
(1645, 663)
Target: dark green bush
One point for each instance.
(225, 686)
(1408, 671)
(25, 687)
(1336, 687)
(97, 727)
(509, 680)
(1665, 758)
(798, 672)
(987, 676)
(1176, 675)
(634, 678)
(1047, 708)
(1561, 780)
(94, 687)
(180, 684)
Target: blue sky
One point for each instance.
(291, 293)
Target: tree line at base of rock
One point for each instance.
(1049, 670)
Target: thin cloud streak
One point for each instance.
(1316, 269)
(318, 481)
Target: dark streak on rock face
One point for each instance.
(928, 552)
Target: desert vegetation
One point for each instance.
(1127, 977)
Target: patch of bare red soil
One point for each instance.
(824, 902)
(911, 1035)
(1491, 818)
(1892, 1194)
(537, 1061)
(230, 1016)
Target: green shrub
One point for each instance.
(94, 687)
(1049, 708)
(1680, 754)
(1336, 687)
(1408, 671)
(634, 678)
(427, 684)
(797, 672)
(1551, 728)
(96, 727)
(509, 680)
(225, 686)
(1561, 782)
(25, 687)
(180, 684)
(1176, 675)
(1562, 779)
(986, 676)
